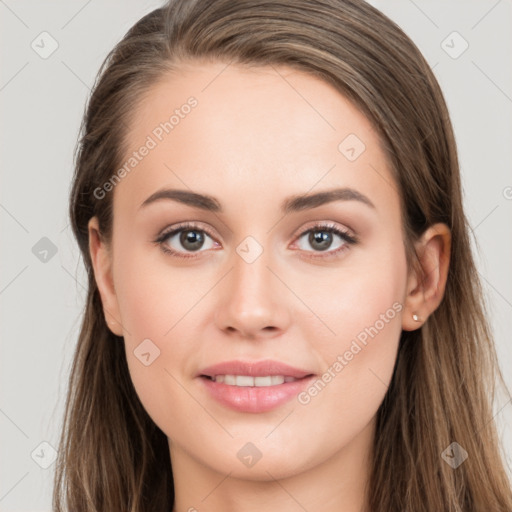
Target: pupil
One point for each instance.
(323, 238)
(191, 240)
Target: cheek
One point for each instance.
(153, 296)
(355, 379)
(161, 303)
(361, 299)
(360, 311)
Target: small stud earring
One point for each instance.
(416, 318)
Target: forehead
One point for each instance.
(238, 129)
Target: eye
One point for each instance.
(192, 238)
(321, 238)
(189, 236)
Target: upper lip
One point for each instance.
(254, 369)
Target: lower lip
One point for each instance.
(254, 399)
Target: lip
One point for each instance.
(254, 369)
(254, 399)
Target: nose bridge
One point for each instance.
(251, 273)
(252, 299)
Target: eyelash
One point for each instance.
(325, 227)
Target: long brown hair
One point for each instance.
(112, 456)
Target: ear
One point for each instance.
(426, 285)
(102, 264)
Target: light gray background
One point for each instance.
(42, 102)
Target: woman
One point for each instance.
(283, 308)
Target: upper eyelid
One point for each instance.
(324, 224)
(190, 226)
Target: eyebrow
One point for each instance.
(292, 204)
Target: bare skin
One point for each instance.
(256, 137)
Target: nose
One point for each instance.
(253, 300)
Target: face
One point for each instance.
(302, 293)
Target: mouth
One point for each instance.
(254, 387)
(248, 381)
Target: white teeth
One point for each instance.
(229, 379)
(266, 381)
(243, 380)
(248, 381)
